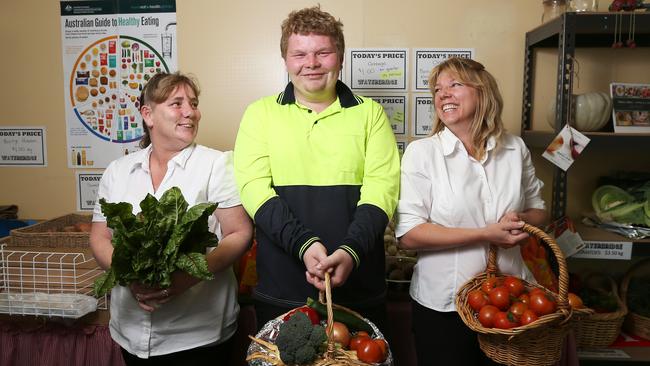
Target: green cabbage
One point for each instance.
(612, 203)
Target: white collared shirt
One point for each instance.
(207, 312)
(442, 184)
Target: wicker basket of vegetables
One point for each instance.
(635, 293)
(509, 332)
(601, 328)
(300, 337)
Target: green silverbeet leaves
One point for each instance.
(164, 237)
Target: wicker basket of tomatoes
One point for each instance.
(602, 327)
(319, 334)
(635, 293)
(518, 323)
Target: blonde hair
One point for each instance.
(313, 20)
(487, 118)
(158, 89)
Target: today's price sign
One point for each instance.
(606, 250)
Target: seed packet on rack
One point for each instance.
(566, 147)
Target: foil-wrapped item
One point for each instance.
(628, 231)
(270, 332)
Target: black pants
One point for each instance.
(217, 355)
(265, 312)
(443, 339)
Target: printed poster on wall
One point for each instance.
(426, 59)
(423, 111)
(395, 108)
(377, 68)
(110, 50)
(23, 146)
(87, 187)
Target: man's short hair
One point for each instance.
(313, 20)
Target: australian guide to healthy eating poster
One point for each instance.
(110, 50)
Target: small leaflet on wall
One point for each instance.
(23, 146)
(110, 49)
(566, 147)
(423, 111)
(426, 59)
(401, 146)
(87, 187)
(395, 108)
(377, 68)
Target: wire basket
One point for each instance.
(635, 323)
(537, 343)
(599, 330)
(50, 233)
(48, 283)
(263, 352)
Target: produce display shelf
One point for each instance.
(600, 140)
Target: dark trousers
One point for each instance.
(265, 312)
(217, 355)
(441, 338)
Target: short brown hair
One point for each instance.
(158, 89)
(313, 20)
(487, 119)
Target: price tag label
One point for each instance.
(603, 353)
(606, 250)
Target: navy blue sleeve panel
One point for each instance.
(277, 221)
(365, 231)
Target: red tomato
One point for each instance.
(487, 314)
(477, 299)
(489, 284)
(575, 301)
(341, 334)
(369, 351)
(514, 285)
(528, 317)
(505, 320)
(541, 303)
(358, 339)
(525, 298)
(311, 313)
(500, 297)
(518, 308)
(383, 346)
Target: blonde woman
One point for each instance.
(468, 184)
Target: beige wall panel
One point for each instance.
(233, 49)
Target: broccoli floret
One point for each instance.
(298, 340)
(305, 354)
(317, 336)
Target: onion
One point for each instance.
(340, 334)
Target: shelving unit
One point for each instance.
(566, 33)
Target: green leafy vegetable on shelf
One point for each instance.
(164, 237)
(612, 203)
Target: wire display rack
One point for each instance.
(52, 284)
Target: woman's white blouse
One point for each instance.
(442, 184)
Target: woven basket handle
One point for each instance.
(563, 280)
(628, 276)
(326, 298)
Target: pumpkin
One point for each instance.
(592, 111)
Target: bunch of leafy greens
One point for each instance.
(164, 237)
